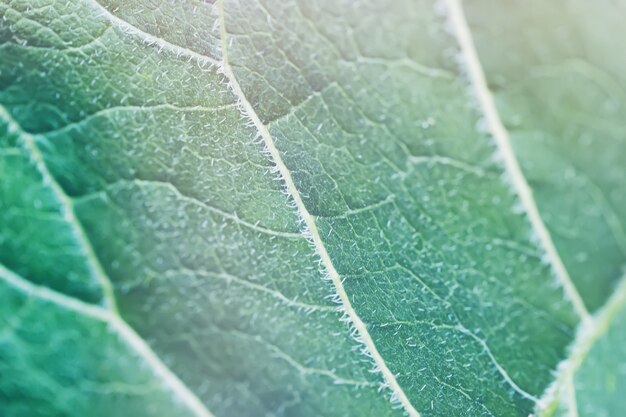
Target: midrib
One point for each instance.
(486, 102)
(309, 221)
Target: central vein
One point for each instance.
(311, 227)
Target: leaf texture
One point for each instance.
(309, 209)
(561, 94)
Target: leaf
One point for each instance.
(310, 209)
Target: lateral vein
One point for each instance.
(109, 312)
(133, 340)
(67, 208)
(486, 101)
(151, 39)
(309, 221)
(495, 362)
(588, 333)
(47, 294)
(147, 183)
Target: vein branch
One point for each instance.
(588, 334)
(495, 362)
(67, 209)
(116, 323)
(492, 118)
(109, 312)
(234, 217)
(571, 398)
(309, 221)
(151, 39)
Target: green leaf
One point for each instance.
(311, 208)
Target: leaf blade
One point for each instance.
(208, 258)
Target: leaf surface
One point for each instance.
(560, 89)
(260, 208)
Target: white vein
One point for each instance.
(108, 314)
(45, 293)
(486, 101)
(571, 399)
(132, 339)
(495, 362)
(149, 39)
(66, 206)
(109, 112)
(309, 221)
(588, 333)
(305, 370)
(234, 217)
(274, 293)
(444, 160)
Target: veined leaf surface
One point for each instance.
(264, 208)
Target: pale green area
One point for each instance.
(601, 381)
(561, 91)
(207, 257)
(598, 384)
